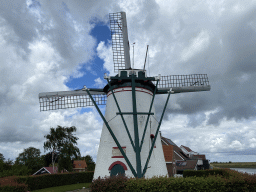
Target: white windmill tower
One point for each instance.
(129, 144)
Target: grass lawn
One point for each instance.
(64, 188)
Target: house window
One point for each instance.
(181, 163)
(79, 164)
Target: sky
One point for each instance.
(63, 45)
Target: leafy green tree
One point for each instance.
(61, 140)
(54, 141)
(9, 162)
(69, 150)
(2, 157)
(65, 159)
(22, 170)
(47, 158)
(18, 170)
(30, 158)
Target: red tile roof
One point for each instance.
(177, 153)
(187, 148)
(50, 169)
(200, 157)
(166, 141)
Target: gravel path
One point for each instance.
(81, 190)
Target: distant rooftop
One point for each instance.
(167, 141)
(187, 148)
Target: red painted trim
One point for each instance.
(117, 156)
(110, 93)
(117, 162)
(117, 147)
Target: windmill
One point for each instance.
(129, 141)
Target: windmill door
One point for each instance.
(117, 170)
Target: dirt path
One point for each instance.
(81, 190)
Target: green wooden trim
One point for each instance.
(125, 125)
(136, 131)
(129, 78)
(153, 143)
(149, 113)
(98, 90)
(138, 113)
(112, 134)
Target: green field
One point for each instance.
(234, 165)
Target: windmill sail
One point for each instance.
(69, 99)
(126, 143)
(183, 83)
(120, 43)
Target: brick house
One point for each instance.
(79, 165)
(181, 158)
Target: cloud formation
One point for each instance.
(43, 44)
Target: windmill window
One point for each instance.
(116, 153)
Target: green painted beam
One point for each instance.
(125, 125)
(136, 131)
(138, 113)
(153, 143)
(112, 134)
(128, 78)
(149, 113)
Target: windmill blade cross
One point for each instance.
(120, 43)
(183, 83)
(70, 99)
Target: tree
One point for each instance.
(30, 158)
(65, 159)
(2, 157)
(61, 140)
(48, 159)
(69, 150)
(54, 141)
(5, 166)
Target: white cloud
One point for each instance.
(198, 44)
(99, 82)
(236, 145)
(42, 45)
(105, 53)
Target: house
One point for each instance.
(79, 165)
(188, 151)
(181, 158)
(47, 170)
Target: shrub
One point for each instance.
(11, 184)
(206, 173)
(116, 183)
(220, 180)
(53, 180)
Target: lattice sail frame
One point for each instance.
(120, 45)
(54, 102)
(183, 81)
